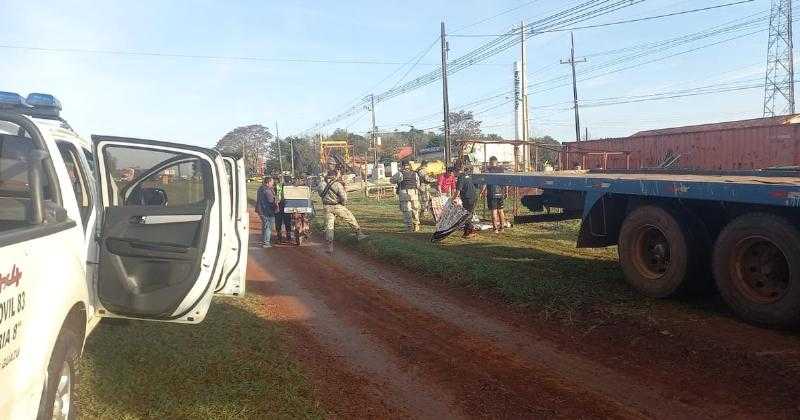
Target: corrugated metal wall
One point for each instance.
(735, 148)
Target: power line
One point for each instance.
(619, 22)
(585, 11)
(221, 57)
(504, 12)
(637, 51)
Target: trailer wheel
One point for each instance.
(656, 251)
(757, 267)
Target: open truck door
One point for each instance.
(236, 231)
(160, 240)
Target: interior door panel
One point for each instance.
(159, 254)
(155, 265)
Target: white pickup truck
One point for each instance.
(118, 227)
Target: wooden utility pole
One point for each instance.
(280, 154)
(291, 152)
(374, 132)
(526, 155)
(445, 103)
(572, 62)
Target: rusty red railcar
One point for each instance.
(735, 145)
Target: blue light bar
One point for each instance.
(43, 100)
(11, 100)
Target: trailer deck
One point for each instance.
(767, 189)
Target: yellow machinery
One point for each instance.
(433, 167)
(335, 153)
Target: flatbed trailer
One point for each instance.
(680, 232)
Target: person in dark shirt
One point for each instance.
(467, 193)
(495, 197)
(283, 220)
(266, 206)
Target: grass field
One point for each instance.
(531, 265)
(233, 365)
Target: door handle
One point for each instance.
(166, 218)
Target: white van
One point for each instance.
(120, 227)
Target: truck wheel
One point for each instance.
(757, 266)
(656, 251)
(58, 396)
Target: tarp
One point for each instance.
(453, 217)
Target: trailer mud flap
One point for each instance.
(602, 218)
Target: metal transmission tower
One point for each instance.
(779, 81)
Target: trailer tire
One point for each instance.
(756, 264)
(657, 251)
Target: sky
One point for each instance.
(298, 78)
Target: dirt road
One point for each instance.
(382, 343)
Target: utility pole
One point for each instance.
(586, 134)
(526, 148)
(374, 131)
(779, 79)
(280, 154)
(445, 103)
(518, 115)
(572, 62)
(291, 152)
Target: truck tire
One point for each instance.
(58, 396)
(657, 251)
(756, 264)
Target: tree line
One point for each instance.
(259, 147)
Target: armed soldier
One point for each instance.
(334, 198)
(408, 191)
(425, 182)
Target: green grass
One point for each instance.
(233, 365)
(531, 265)
(535, 265)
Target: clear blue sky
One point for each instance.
(196, 100)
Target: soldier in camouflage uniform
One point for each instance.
(425, 182)
(408, 192)
(334, 198)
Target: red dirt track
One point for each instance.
(380, 343)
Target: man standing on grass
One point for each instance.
(266, 206)
(467, 193)
(408, 184)
(283, 221)
(424, 190)
(334, 197)
(495, 197)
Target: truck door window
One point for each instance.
(155, 177)
(77, 176)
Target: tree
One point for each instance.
(493, 137)
(549, 153)
(250, 140)
(306, 156)
(463, 126)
